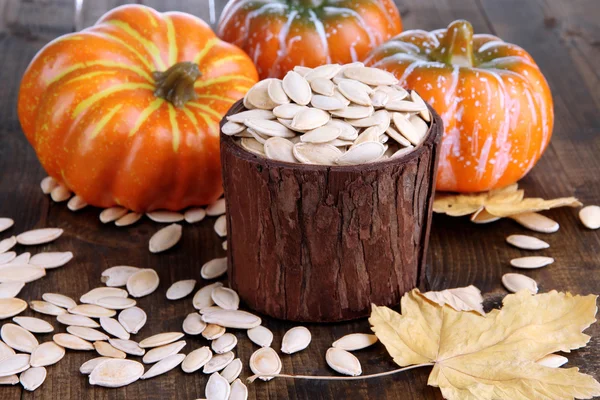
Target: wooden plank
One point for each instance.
(37, 19)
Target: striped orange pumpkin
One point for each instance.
(280, 34)
(127, 112)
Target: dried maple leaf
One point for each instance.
(493, 356)
(461, 299)
(531, 204)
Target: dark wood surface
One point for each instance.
(563, 37)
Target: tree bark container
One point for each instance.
(316, 243)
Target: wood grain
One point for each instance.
(460, 253)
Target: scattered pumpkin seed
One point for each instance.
(239, 391)
(217, 388)
(88, 366)
(33, 378)
(76, 203)
(165, 238)
(72, 342)
(265, 361)
(225, 298)
(295, 339)
(224, 343)
(14, 364)
(47, 353)
(193, 324)
(218, 362)
(34, 325)
(85, 333)
(194, 215)
(355, 341)
(18, 338)
(343, 362)
(107, 350)
(536, 222)
(128, 219)
(112, 214)
(553, 361)
(117, 276)
(7, 244)
(196, 359)
(132, 319)
(161, 352)
(76, 320)
(48, 184)
(590, 217)
(11, 306)
(60, 193)
(59, 300)
(116, 373)
(515, 282)
(531, 262)
(24, 273)
(235, 319)
(213, 331)
(92, 311)
(160, 339)
(143, 282)
(10, 289)
(127, 346)
(163, 366)
(113, 327)
(260, 336)
(46, 308)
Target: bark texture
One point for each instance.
(321, 243)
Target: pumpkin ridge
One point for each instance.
(150, 47)
(145, 114)
(90, 101)
(126, 45)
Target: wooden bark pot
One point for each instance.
(319, 243)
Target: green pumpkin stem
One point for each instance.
(458, 44)
(177, 83)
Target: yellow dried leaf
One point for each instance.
(492, 357)
(529, 205)
(461, 299)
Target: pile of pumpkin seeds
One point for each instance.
(331, 115)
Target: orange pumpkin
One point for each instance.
(496, 105)
(127, 112)
(281, 34)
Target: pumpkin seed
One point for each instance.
(338, 95)
(324, 134)
(181, 289)
(269, 128)
(343, 362)
(113, 327)
(60, 193)
(51, 259)
(9, 380)
(403, 151)
(347, 131)
(203, 298)
(217, 388)
(14, 364)
(224, 343)
(5, 350)
(88, 366)
(404, 106)
(483, 217)
(194, 215)
(322, 86)
(232, 371)
(265, 361)
(77, 320)
(132, 319)
(225, 298)
(76, 203)
(239, 391)
(326, 103)
(72, 342)
(218, 362)
(92, 311)
(23, 273)
(527, 242)
(193, 324)
(7, 244)
(11, 307)
(258, 96)
(116, 373)
(288, 111)
(420, 126)
(327, 71)
(164, 216)
(161, 352)
(46, 308)
(117, 276)
(235, 319)
(355, 341)
(48, 184)
(311, 153)
(160, 339)
(59, 300)
(214, 268)
(209, 309)
(553, 361)
(127, 346)
(112, 214)
(355, 91)
(163, 366)
(39, 236)
(143, 282)
(10, 289)
(116, 303)
(302, 70)
(362, 153)
(250, 114)
(279, 149)
(536, 222)
(33, 378)
(47, 353)
(196, 359)
(295, 340)
(590, 217)
(257, 136)
(370, 76)
(32, 324)
(107, 350)
(515, 282)
(276, 92)
(354, 112)
(218, 207)
(368, 135)
(9, 256)
(379, 98)
(406, 128)
(231, 128)
(260, 336)
(86, 333)
(18, 338)
(221, 226)
(213, 331)
(297, 88)
(253, 146)
(531, 262)
(165, 238)
(424, 113)
(128, 219)
(309, 119)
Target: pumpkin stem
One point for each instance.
(177, 83)
(307, 3)
(458, 44)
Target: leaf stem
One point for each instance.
(340, 378)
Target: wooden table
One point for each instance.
(563, 37)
